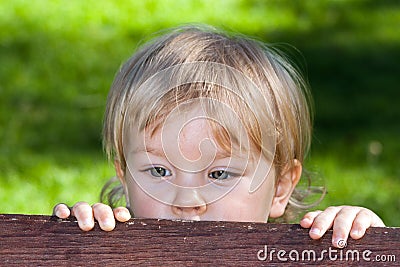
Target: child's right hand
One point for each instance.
(86, 214)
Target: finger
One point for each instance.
(342, 225)
(323, 222)
(105, 216)
(364, 219)
(376, 220)
(308, 218)
(122, 214)
(84, 214)
(62, 211)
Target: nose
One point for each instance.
(188, 204)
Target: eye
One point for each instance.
(159, 172)
(219, 175)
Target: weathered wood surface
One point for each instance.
(44, 240)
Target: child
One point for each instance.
(207, 126)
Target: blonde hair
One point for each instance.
(266, 92)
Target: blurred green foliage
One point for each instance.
(58, 59)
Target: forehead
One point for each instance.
(182, 126)
(232, 129)
(187, 129)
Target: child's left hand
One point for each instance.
(345, 220)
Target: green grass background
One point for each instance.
(58, 59)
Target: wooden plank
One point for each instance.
(44, 240)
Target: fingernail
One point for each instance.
(356, 232)
(87, 222)
(315, 231)
(108, 223)
(305, 220)
(123, 216)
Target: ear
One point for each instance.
(285, 185)
(120, 173)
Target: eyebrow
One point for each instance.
(150, 150)
(160, 153)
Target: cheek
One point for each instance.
(260, 202)
(249, 207)
(266, 193)
(142, 205)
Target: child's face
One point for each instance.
(180, 173)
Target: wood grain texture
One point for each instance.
(47, 241)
